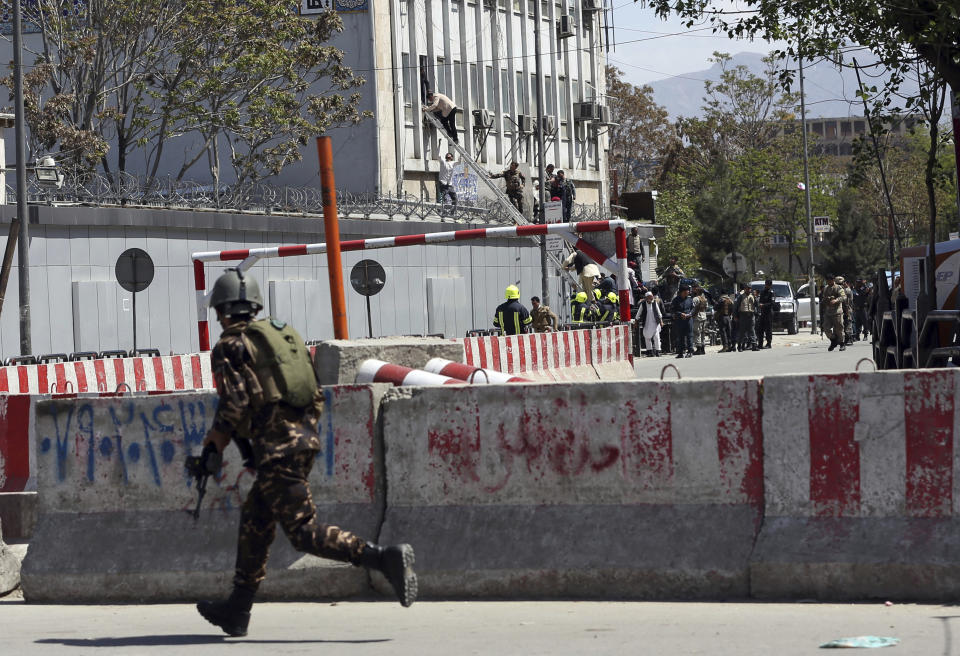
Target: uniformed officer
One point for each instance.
(607, 308)
(682, 309)
(669, 280)
(510, 316)
(724, 316)
(277, 433)
(833, 306)
(544, 319)
(699, 319)
(748, 320)
(765, 309)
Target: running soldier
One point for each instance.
(270, 406)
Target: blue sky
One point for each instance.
(650, 49)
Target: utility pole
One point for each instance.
(23, 243)
(806, 196)
(545, 281)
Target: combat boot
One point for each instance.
(396, 564)
(833, 344)
(232, 615)
(843, 346)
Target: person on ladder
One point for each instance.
(446, 112)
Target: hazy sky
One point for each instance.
(649, 49)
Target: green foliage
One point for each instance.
(675, 211)
(642, 134)
(855, 246)
(239, 84)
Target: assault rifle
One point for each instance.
(201, 468)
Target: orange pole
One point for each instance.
(331, 229)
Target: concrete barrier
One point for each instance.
(598, 490)
(16, 418)
(861, 487)
(567, 356)
(337, 361)
(142, 374)
(114, 501)
(9, 567)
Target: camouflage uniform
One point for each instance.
(544, 319)
(833, 307)
(515, 183)
(285, 442)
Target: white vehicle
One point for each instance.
(803, 301)
(785, 318)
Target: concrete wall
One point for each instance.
(77, 304)
(115, 502)
(827, 487)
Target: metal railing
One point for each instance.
(126, 190)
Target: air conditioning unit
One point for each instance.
(565, 27)
(482, 118)
(524, 124)
(606, 116)
(590, 5)
(549, 124)
(586, 111)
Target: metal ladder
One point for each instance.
(501, 197)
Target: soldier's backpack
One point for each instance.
(281, 362)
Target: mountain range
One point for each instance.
(829, 92)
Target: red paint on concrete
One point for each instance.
(928, 426)
(740, 440)
(15, 443)
(834, 453)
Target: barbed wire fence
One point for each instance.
(127, 190)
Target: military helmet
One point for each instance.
(581, 297)
(512, 292)
(235, 293)
(613, 297)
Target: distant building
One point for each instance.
(835, 136)
(480, 53)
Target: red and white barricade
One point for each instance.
(108, 375)
(860, 486)
(378, 371)
(470, 373)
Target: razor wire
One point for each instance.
(127, 190)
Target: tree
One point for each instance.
(891, 29)
(642, 134)
(853, 247)
(235, 84)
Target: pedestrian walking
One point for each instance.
(270, 405)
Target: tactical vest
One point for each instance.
(281, 362)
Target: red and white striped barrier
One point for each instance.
(378, 371)
(471, 374)
(861, 475)
(110, 375)
(570, 355)
(248, 256)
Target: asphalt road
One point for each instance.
(502, 628)
(791, 354)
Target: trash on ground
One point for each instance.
(866, 642)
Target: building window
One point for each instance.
(461, 97)
(408, 84)
(475, 86)
(491, 98)
(521, 96)
(549, 102)
(859, 127)
(442, 85)
(504, 91)
(533, 94)
(846, 128)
